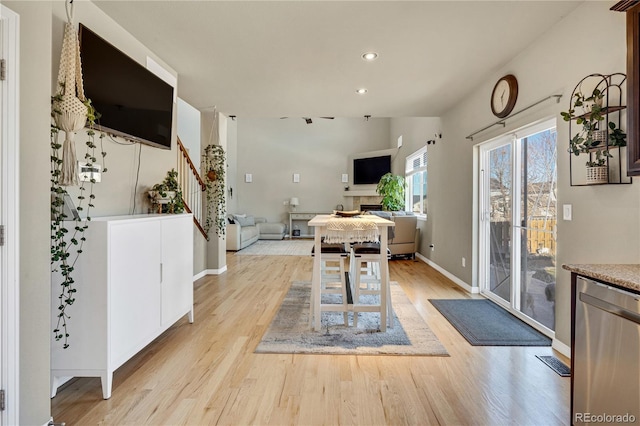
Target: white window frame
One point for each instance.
(411, 169)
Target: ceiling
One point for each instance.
(303, 58)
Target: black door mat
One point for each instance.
(555, 364)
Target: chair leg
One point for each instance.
(356, 290)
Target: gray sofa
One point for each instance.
(244, 230)
(404, 238)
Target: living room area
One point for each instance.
(313, 163)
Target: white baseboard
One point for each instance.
(199, 275)
(215, 271)
(561, 347)
(206, 272)
(458, 281)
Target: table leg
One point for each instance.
(315, 281)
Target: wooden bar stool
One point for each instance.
(333, 278)
(367, 279)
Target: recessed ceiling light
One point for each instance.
(369, 56)
(361, 91)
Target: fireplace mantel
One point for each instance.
(361, 193)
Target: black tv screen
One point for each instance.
(133, 101)
(370, 170)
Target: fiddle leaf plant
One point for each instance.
(391, 188)
(67, 233)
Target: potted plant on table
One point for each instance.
(391, 188)
(167, 194)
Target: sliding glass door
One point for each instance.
(517, 222)
(498, 216)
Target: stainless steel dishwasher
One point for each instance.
(606, 388)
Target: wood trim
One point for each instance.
(633, 90)
(624, 5)
(193, 168)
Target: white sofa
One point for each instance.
(246, 230)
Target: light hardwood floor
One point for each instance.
(206, 372)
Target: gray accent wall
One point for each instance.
(606, 224)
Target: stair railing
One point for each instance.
(192, 187)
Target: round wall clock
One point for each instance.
(504, 96)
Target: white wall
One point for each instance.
(605, 228)
(272, 150)
(189, 130)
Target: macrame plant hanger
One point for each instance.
(70, 110)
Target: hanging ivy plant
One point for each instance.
(215, 164)
(66, 243)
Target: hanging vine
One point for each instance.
(215, 164)
(66, 244)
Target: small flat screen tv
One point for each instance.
(370, 170)
(133, 102)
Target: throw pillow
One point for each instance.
(245, 221)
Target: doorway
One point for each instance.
(517, 221)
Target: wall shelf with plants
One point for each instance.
(597, 118)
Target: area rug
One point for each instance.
(483, 323)
(278, 248)
(290, 332)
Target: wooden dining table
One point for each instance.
(319, 223)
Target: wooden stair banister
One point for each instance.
(192, 187)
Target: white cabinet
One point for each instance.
(134, 280)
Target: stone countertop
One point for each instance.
(624, 275)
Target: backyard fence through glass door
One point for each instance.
(517, 223)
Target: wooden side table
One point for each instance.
(301, 216)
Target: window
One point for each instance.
(416, 177)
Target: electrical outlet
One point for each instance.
(432, 247)
(464, 262)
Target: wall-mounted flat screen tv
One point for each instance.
(133, 102)
(370, 170)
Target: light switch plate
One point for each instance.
(567, 212)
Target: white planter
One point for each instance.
(158, 199)
(597, 174)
